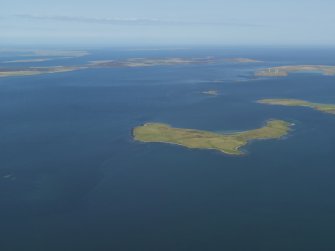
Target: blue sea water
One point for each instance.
(72, 178)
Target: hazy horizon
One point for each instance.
(148, 22)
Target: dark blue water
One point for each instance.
(72, 178)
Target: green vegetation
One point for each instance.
(283, 71)
(229, 143)
(328, 108)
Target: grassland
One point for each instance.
(328, 108)
(283, 71)
(229, 143)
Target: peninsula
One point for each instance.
(229, 143)
(328, 108)
(284, 71)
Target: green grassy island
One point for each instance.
(328, 108)
(229, 143)
(283, 71)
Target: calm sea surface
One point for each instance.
(72, 178)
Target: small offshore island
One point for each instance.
(211, 92)
(283, 71)
(327, 108)
(229, 143)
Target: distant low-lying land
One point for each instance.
(328, 108)
(229, 143)
(30, 71)
(30, 60)
(283, 71)
(36, 56)
(147, 62)
(242, 60)
(132, 62)
(56, 53)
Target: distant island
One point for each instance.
(283, 71)
(36, 56)
(328, 108)
(211, 92)
(48, 55)
(242, 60)
(56, 53)
(229, 143)
(30, 71)
(132, 62)
(29, 60)
(147, 62)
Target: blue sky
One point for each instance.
(147, 22)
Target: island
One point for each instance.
(30, 71)
(147, 62)
(98, 64)
(131, 62)
(29, 60)
(242, 60)
(283, 71)
(229, 143)
(56, 53)
(211, 92)
(38, 56)
(327, 108)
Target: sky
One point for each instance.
(149, 22)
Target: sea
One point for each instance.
(72, 177)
